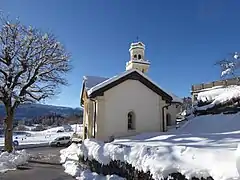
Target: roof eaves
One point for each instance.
(106, 82)
(93, 90)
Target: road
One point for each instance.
(37, 171)
(45, 150)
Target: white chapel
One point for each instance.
(128, 103)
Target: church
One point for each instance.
(128, 103)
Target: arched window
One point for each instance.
(135, 56)
(168, 119)
(142, 70)
(131, 120)
(139, 56)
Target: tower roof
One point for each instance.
(138, 44)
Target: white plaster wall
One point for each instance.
(101, 121)
(138, 66)
(137, 51)
(130, 95)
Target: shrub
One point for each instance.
(126, 170)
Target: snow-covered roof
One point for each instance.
(137, 45)
(218, 96)
(175, 98)
(91, 81)
(94, 83)
(114, 78)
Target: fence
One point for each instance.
(226, 82)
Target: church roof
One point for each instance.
(175, 98)
(97, 85)
(91, 81)
(137, 45)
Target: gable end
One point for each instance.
(133, 76)
(83, 95)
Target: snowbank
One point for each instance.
(10, 161)
(70, 153)
(160, 161)
(70, 157)
(205, 146)
(187, 112)
(78, 128)
(218, 96)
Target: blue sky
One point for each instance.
(183, 38)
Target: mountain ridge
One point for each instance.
(29, 111)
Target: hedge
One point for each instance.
(127, 171)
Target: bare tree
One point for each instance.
(32, 66)
(230, 66)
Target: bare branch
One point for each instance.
(230, 66)
(32, 63)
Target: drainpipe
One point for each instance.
(163, 117)
(94, 117)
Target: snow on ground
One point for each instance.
(77, 128)
(69, 158)
(38, 139)
(10, 161)
(88, 175)
(41, 137)
(204, 146)
(218, 95)
(54, 130)
(29, 128)
(187, 112)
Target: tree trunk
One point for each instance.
(9, 130)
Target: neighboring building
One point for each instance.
(128, 103)
(197, 88)
(173, 110)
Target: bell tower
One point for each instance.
(137, 58)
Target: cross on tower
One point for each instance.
(137, 38)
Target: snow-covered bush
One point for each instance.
(70, 160)
(134, 162)
(230, 66)
(128, 171)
